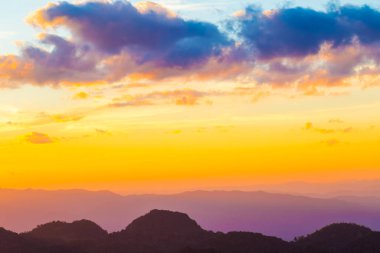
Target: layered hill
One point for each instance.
(280, 215)
(162, 231)
(82, 230)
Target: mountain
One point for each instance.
(13, 243)
(281, 215)
(246, 242)
(368, 244)
(372, 202)
(166, 231)
(358, 188)
(163, 223)
(68, 232)
(161, 231)
(158, 231)
(334, 238)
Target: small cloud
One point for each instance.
(324, 130)
(185, 97)
(81, 95)
(102, 131)
(347, 130)
(310, 127)
(63, 118)
(38, 138)
(132, 102)
(312, 91)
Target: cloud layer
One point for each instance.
(115, 40)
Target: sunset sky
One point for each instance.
(175, 95)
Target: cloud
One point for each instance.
(301, 31)
(45, 119)
(81, 95)
(180, 97)
(64, 118)
(310, 127)
(38, 138)
(65, 62)
(110, 41)
(348, 130)
(102, 131)
(147, 31)
(306, 48)
(14, 69)
(185, 97)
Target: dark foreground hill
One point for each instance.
(174, 232)
(82, 230)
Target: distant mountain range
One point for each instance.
(173, 232)
(281, 215)
(359, 188)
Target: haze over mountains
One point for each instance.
(161, 231)
(282, 215)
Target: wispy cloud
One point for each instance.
(311, 127)
(37, 138)
(186, 97)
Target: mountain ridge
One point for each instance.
(280, 215)
(185, 235)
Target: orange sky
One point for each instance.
(170, 148)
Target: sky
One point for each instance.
(176, 95)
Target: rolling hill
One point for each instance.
(281, 215)
(161, 231)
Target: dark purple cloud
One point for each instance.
(298, 32)
(150, 36)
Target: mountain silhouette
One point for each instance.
(367, 244)
(164, 224)
(13, 243)
(334, 237)
(68, 232)
(161, 231)
(246, 242)
(280, 215)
